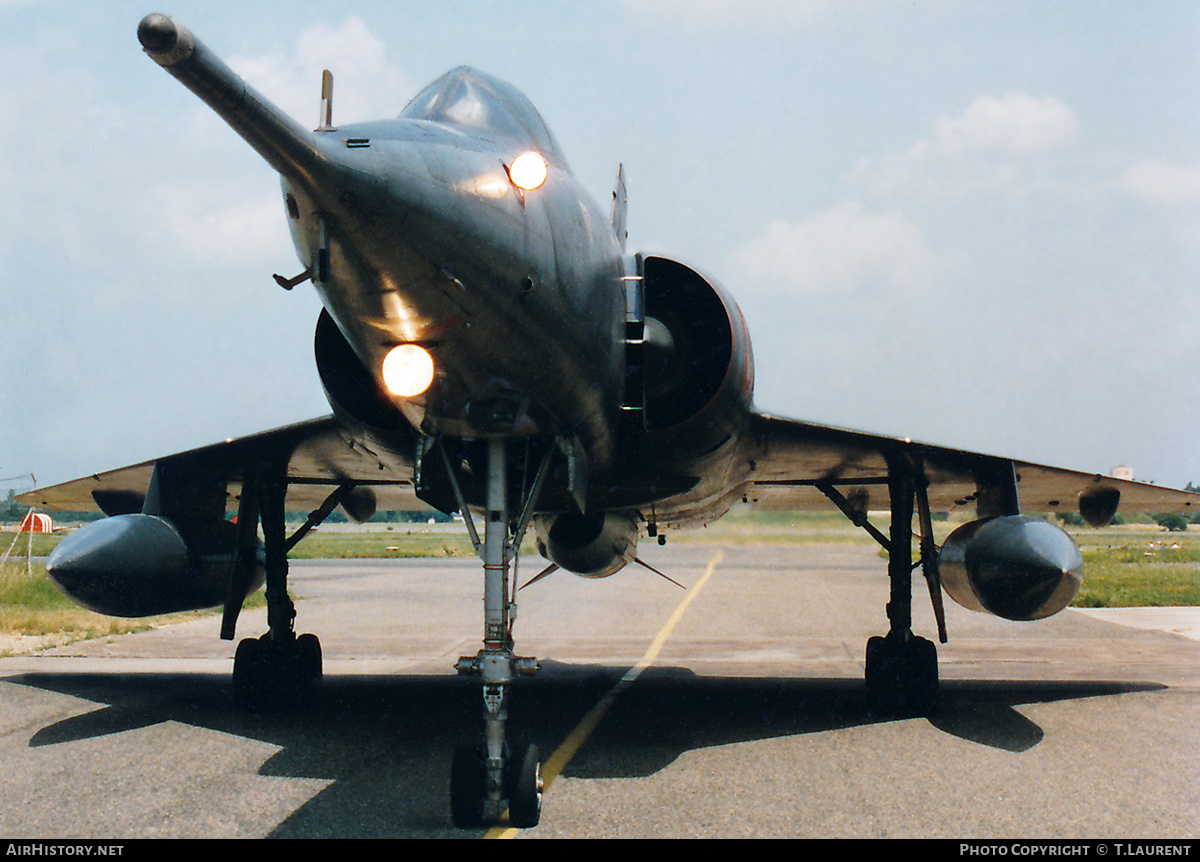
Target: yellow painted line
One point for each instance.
(558, 761)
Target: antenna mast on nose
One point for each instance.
(326, 102)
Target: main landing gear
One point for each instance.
(280, 669)
(489, 777)
(901, 668)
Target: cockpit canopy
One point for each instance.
(484, 106)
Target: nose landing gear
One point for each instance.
(491, 777)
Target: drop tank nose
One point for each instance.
(116, 565)
(1016, 567)
(138, 565)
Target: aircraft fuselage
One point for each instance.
(418, 232)
(417, 235)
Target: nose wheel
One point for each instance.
(468, 782)
(525, 787)
(520, 787)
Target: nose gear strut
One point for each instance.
(489, 778)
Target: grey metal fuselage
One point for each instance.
(415, 234)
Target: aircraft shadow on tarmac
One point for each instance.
(384, 743)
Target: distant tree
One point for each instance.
(1172, 521)
(12, 510)
(414, 517)
(1071, 519)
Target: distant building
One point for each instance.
(1122, 473)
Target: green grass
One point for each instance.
(398, 543)
(43, 544)
(1131, 567)
(744, 526)
(30, 605)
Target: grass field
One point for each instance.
(1132, 567)
(1125, 566)
(32, 607)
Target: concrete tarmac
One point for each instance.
(751, 721)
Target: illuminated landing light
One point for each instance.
(407, 370)
(528, 171)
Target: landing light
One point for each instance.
(528, 171)
(407, 370)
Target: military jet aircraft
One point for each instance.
(488, 347)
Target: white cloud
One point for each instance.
(1164, 184)
(367, 86)
(991, 145)
(1014, 124)
(841, 250)
(217, 225)
(723, 14)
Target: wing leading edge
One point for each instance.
(792, 462)
(318, 456)
(796, 460)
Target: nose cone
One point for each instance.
(120, 565)
(157, 33)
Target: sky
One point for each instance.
(973, 224)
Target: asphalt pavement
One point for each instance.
(747, 717)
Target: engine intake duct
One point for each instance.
(349, 387)
(689, 343)
(591, 546)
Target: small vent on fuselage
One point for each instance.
(357, 143)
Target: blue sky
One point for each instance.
(976, 224)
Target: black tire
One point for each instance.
(466, 786)
(902, 676)
(308, 666)
(881, 675)
(524, 787)
(274, 676)
(923, 697)
(248, 677)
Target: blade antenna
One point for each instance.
(643, 563)
(326, 102)
(549, 570)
